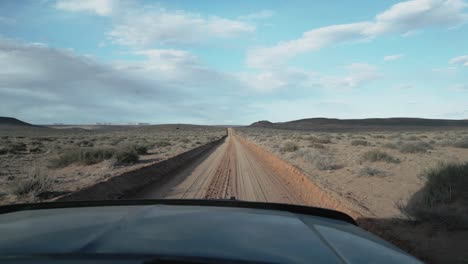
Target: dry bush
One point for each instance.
(289, 146)
(86, 156)
(416, 147)
(359, 142)
(321, 160)
(378, 155)
(319, 140)
(16, 147)
(444, 198)
(125, 156)
(316, 146)
(461, 143)
(370, 171)
(391, 145)
(140, 149)
(163, 143)
(36, 182)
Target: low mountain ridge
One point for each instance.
(334, 124)
(11, 121)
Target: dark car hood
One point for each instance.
(181, 230)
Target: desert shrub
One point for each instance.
(413, 138)
(390, 145)
(34, 149)
(3, 151)
(140, 149)
(126, 156)
(461, 143)
(370, 171)
(359, 142)
(378, 136)
(394, 136)
(358, 137)
(185, 140)
(85, 156)
(416, 147)
(319, 140)
(321, 160)
(378, 155)
(443, 199)
(16, 147)
(36, 182)
(289, 146)
(85, 143)
(163, 143)
(316, 146)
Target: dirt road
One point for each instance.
(232, 169)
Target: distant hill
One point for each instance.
(333, 124)
(10, 121)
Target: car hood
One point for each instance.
(208, 231)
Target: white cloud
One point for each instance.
(263, 14)
(393, 57)
(462, 60)
(149, 24)
(401, 18)
(146, 27)
(46, 85)
(99, 7)
(355, 76)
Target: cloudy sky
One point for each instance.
(232, 62)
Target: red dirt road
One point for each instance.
(241, 169)
(232, 169)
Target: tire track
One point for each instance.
(240, 168)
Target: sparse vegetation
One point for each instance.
(316, 146)
(321, 160)
(416, 147)
(140, 149)
(319, 140)
(443, 199)
(16, 147)
(34, 183)
(378, 155)
(85, 156)
(462, 143)
(163, 143)
(126, 156)
(359, 142)
(391, 145)
(289, 146)
(370, 171)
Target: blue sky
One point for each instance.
(232, 62)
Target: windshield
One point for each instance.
(356, 107)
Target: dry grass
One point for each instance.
(84, 156)
(36, 182)
(371, 171)
(289, 147)
(378, 155)
(321, 160)
(415, 147)
(443, 199)
(360, 142)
